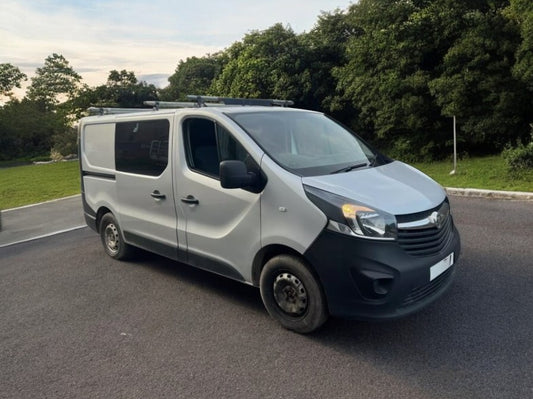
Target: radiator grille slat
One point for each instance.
(427, 241)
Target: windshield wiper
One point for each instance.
(351, 167)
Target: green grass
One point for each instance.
(485, 173)
(23, 185)
(29, 184)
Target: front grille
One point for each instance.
(426, 241)
(419, 293)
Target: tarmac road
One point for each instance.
(41, 220)
(75, 323)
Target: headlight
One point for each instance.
(352, 218)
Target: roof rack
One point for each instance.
(111, 111)
(197, 102)
(203, 101)
(212, 101)
(180, 104)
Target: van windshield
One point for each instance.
(306, 143)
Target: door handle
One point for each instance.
(190, 200)
(157, 195)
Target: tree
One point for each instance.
(53, 83)
(121, 90)
(390, 58)
(10, 77)
(325, 48)
(521, 12)
(477, 83)
(412, 64)
(26, 129)
(193, 76)
(265, 64)
(121, 79)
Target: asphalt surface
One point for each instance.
(41, 220)
(75, 323)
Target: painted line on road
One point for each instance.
(43, 236)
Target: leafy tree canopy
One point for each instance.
(10, 77)
(193, 76)
(55, 82)
(265, 64)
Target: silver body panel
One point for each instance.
(395, 188)
(287, 216)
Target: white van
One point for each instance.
(284, 199)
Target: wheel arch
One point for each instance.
(270, 251)
(101, 212)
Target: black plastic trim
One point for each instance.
(370, 280)
(107, 176)
(153, 246)
(90, 220)
(214, 266)
(196, 260)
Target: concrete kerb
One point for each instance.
(480, 193)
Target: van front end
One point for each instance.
(368, 277)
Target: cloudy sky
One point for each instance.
(148, 37)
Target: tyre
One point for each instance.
(292, 294)
(112, 240)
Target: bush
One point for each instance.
(519, 158)
(66, 142)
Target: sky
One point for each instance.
(148, 37)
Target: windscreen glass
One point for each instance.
(305, 143)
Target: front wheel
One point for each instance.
(292, 294)
(112, 240)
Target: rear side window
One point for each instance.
(141, 147)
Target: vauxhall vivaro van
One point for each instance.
(284, 199)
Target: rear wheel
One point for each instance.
(112, 240)
(292, 294)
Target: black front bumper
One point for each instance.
(368, 279)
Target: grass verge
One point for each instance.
(30, 184)
(485, 173)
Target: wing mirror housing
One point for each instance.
(234, 174)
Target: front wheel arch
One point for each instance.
(267, 253)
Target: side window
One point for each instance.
(201, 141)
(142, 147)
(208, 144)
(229, 148)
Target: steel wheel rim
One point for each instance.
(290, 294)
(112, 238)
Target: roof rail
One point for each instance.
(212, 101)
(197, 102)
(111, 111)
(179, 104)
(203, 101)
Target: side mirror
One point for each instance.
(234, 174)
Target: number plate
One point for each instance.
(437, 269)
